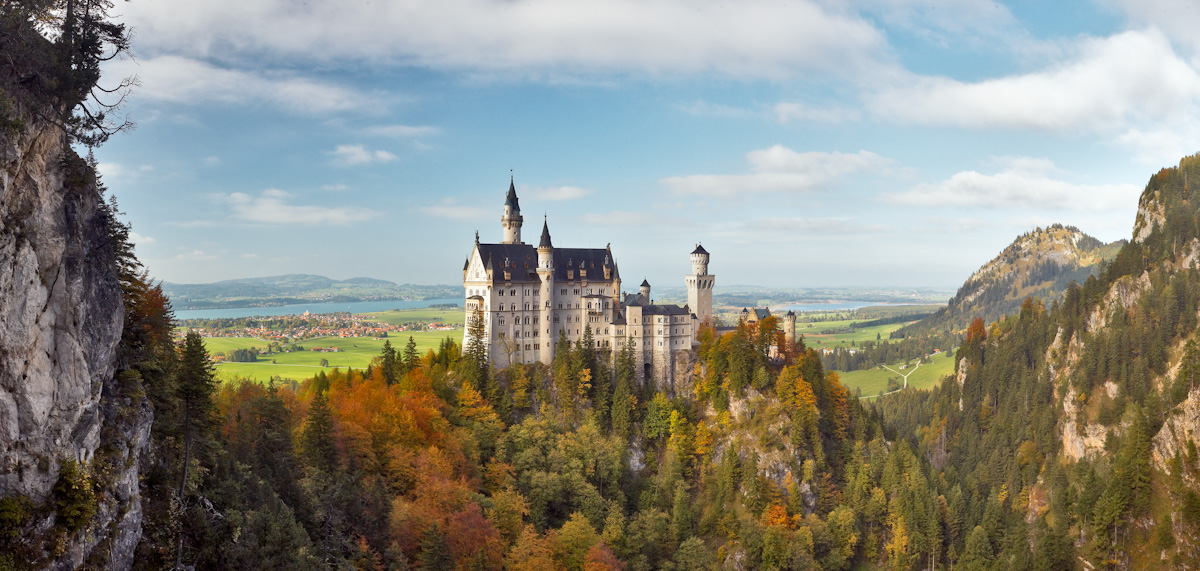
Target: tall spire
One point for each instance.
(545, 243)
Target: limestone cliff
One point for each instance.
(61, 315)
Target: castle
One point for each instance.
(530, 296)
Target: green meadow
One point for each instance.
(356, 352)
(872, 381)
(817, 340)
(452, 316)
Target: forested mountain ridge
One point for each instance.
(1038, 264)
(297, 288)
(1076, 423)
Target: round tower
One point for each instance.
(699, 285)
(645, 290)
(789, 327)
(545, 271)
(511, 220)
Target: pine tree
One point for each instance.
(196, 383)
(389, 364)
(317, 445)
(410, 356)
(477, 352)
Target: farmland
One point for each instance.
(872, 381)
(355, 352)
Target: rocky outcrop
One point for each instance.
(61, 314)
(1182, 426)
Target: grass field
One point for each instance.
(455, 316)
(872, 381)
(356, 352)
(816, 340)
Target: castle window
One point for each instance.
(537, 346)
(535, 320)
(562, 291)
(556, 319)
(527, 306)
(606, 331)
(502, 335)
(500, 292)
(501, 321)
(576, 291)
(512, 292)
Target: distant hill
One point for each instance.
(297, 288)
(1040, 263)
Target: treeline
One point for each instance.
(870, 354)
(890, 320)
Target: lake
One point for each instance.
(296, 309)
(834, 306)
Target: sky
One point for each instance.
(804, 143)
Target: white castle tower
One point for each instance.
(545, 272)
(699, 285)
(511, 219)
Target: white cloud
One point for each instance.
(354, 155)
(272, 207)
(450, 209)
(193, 223)
(212, 161)
(702, 108)
(1024, 184)
(556, 193)
(402, 131)
(140, 239)
(786, 112)
(335, 187)
(176, 79)
(117, 171)
(783, 229)
(753, 38)
(632, 219)
(195, 256)
(779, 168)
(1111, 82)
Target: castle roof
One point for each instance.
(645, 283)
(757, 313)
(511, 199)
(699, 250)
(520, 260)
(545, 243)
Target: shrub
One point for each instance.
(74, 496)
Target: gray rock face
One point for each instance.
(61, 315)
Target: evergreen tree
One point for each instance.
(410, 356)
(477, 352)
(196, 383)
(317, 444)
(389, 364)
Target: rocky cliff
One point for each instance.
(69, 436)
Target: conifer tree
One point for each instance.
(389, 364)
(316, 438)
(196, 383)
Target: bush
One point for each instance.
(74, 496)
(14, 511)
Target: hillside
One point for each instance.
(1078, 424)
(1040, 263)
(297, 288)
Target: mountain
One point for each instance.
(297, 288)
(1041, 264)
(1076, 425)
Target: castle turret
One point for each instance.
(512, 219)
(645, 291)
(699, 285)
(789, 327)
(545, 271)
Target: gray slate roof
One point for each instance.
(521, 261)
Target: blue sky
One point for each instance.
(804, 143)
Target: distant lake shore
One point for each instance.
(299, 308)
